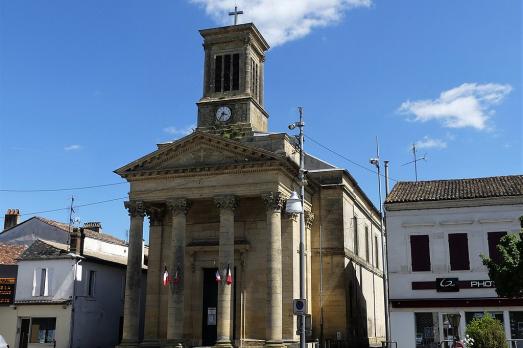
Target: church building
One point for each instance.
(223, 264)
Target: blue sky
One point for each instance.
(86, 87)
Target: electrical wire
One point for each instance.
(345, 158)
(63, 188)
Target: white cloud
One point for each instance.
(282, 20)
(73, 147)
(430, 143)
(179, 131)
(468, 105)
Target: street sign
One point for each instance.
(299, 306)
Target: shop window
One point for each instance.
(469, 316)
(420, 253)
(493, 241)
(427, 330)
(459, 252)
(516, 326)
(42, 330)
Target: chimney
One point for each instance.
(12, 218)
(76, 241)
(93, 226)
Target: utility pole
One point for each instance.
(303, 295)
(376, 162)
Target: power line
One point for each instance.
(64, 188)
(345, 158)
(76, 206)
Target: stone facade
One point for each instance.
(216, 203)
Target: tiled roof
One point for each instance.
(88, 233)
(437, 190)
(10, 252)
(41, 250)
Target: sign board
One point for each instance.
(211, 316)
(7, 291)
(299, 306)
(447, 284)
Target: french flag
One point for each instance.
(165, 276)
(228, 280)
(218, 276)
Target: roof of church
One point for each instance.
(454, 189)
(10, 252)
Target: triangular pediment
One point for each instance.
(198, 150)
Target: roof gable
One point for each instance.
(196, 151)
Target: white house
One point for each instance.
(68, 295)
(437, 231)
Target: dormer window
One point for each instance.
(227, 72)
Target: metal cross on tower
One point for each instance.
(235, 13)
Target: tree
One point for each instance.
(507, 273)
(486, 332)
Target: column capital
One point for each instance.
(178, 205)
(155, 212)
(291, 216)
(226, 202)
(273, 200)
(135, 208)
(309, 219)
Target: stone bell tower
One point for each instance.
(233, 81)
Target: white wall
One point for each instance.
(60, 279)
(97, 317)
(438, 223)
(403, 329)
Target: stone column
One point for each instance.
(133, 276)
(309, 219)
(175, 307)
(273, 331)
(154, 272)
(226, 204)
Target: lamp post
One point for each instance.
(376, 163)
(296, 205)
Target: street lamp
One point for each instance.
(296, 205)
(376, 162)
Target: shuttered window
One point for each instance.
(493, 241)
(420, 253)
(459, 252)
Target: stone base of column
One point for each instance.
(223, 344)
(150, 342)
(173, 344)
(128, 344)
(274, 344)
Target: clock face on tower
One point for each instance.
(223, 114)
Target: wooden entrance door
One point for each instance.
(210, 307)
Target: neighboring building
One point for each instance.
(71, 294)
(437, 231)
(8, 272)
(215, 201)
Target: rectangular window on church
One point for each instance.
(356, 246)
(235, 72)
(227, 72)
(367, 248)
(218, 73)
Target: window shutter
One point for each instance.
(35, 290)
(420, 253)
(459, 252)
(493, 241)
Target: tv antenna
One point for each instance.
(416, 160)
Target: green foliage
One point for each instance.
(507, 274)
(487, 332)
